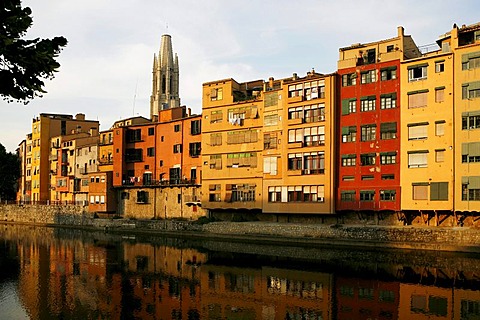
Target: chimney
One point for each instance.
(270, 80)
(400, 31)
(294, 76)
(189, 112)
(80, 116)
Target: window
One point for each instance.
(417, 131)
(388, 130)
(471, 90)
(314, 113)
(440, 155)
(151, 131)
(142, 197)
(194, 149)
(388, 73)
(305, 194)
(417, 159)
(242, 136)
(439, 94)
(274, 194)
(195, 127)
(216, 116)
(440, 128)
(177, 148)
(270, 120)
(134, 135)
(349, 79)
(417, 99)
(348, 178)
(347, 195)
(241, 192)
(439, 66)
(133, 155)
(471, 188)
(387, 195)
(471, 61)
(349, 106)
(349, 160)
(417, 72)
(367, 177)
(388, 177)
(270, 165)
(367, 159)
(367, 195)
(161, 163)
(438, 191)
(368, 132)
(471, 152)
(216, 161)
(150, 152)
(295, 161)
(214, 193)
(216, 139)
(420, 191)
(270, 140)
(388, 101)
(244, 159)
(176, 128)
(368, 76)
(471, 120)
(314, 136)
(367, 103)
(388, 158)
(349, 134)
(216, 94)
(313, 163)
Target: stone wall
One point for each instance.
(46, 214)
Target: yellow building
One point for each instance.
(299, 145)
(440, 124)
(232, 145)
(268, 146)
(465, 44)
(105, 151)
(44, 127)
(427, 131)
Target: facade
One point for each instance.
(232, 145)
(105, 151)
(465, 44)
(44, 128)
(154, 175)
(427, 104)
(369, 130)
(22, 156)
(299, 171)
(165, 86)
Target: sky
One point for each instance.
(106, 68)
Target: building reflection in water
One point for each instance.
(76, 275)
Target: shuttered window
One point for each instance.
(417, 99)
(420, 191)
(417, 131)
(438, 191)
(417, 159)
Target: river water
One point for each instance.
(53, 273)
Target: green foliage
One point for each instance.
(9, 174)
(24, 64)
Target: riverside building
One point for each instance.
(369, 129)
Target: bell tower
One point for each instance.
(165, 79)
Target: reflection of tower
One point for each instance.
(165, 79)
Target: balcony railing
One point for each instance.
(171, 182)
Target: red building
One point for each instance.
(369, 124)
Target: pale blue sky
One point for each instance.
(106, 69)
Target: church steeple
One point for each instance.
(165, 79)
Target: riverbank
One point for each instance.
(452, 239)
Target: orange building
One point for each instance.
(156, 176)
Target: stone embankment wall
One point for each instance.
(459, 239)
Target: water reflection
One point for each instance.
(69, 274)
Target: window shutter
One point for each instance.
(345, 109)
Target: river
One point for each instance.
(55, 273)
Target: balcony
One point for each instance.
(105, 161)
(161, 183)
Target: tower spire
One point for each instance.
(165, 79)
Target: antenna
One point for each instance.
(135, 97)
